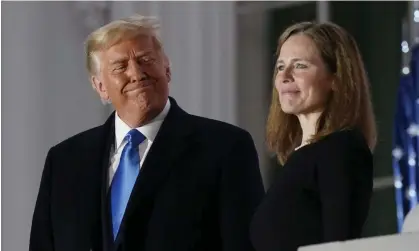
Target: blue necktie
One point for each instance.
(125, 177)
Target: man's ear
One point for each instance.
(168, 74)
(99, 87)
(167, 67)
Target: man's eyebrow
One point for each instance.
(123, 59)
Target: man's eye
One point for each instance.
(119, 68)
(147, 59)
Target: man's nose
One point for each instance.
(136, 72)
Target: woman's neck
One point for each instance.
(308, 123)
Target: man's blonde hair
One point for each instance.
(116, 31)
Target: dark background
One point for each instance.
(377, 28)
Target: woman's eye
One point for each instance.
(300, 66)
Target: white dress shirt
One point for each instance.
(149, 131)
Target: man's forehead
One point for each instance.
(143, 44)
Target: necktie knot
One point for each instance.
(135, 137)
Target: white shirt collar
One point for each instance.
(149, 130)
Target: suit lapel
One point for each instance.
(106, 220)
(92, 161)
(171, 143)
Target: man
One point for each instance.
(153, 177)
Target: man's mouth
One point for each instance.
(139, 86)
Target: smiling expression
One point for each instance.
(134, 75)
(302, 80)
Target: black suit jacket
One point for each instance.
(197, 190)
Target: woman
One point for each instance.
(321, 127)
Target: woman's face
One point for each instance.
(302, 80)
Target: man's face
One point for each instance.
(134, 75)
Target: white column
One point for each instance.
(46, 98)
(323, 11)
(254, 82)
(199, 38)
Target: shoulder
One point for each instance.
(345, 141)
(207, 128)
(218, 129)
(221, 138)
(79, 141)
(347, 148)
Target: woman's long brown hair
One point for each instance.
(349, 105)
